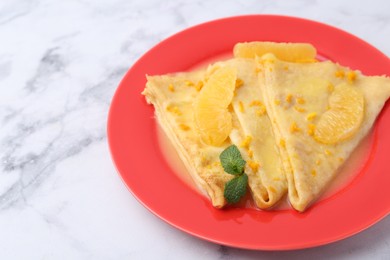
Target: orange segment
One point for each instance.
(212, 118)
(292, 52)
(344, 117)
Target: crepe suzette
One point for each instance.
(319, 113)
(202, 114)
(199, 142)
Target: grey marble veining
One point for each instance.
(60, 63)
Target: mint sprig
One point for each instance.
(233, 163)
(235, 189)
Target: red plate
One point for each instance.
(132, 137)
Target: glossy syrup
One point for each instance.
(345, 176)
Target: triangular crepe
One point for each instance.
(297, 96)
(253, 135)
(173, 96)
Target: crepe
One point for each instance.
(173, 96)
(253, 134)
(297, 96)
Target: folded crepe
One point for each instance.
(319, 114)
(173, 97)
(254, 136)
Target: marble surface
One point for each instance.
(60, 63)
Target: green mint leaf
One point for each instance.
(236, 188)
(232, 161)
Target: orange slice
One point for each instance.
(344, 117)
(292, 52)
(212, 118)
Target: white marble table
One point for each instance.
(60, 63)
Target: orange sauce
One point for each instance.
(351, 167)
(345, 175)
(172, 158)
